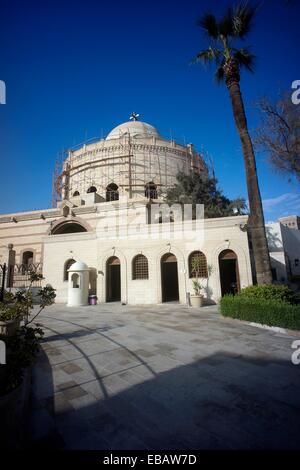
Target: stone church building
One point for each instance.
(109, 216)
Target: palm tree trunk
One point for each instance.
(256, 219)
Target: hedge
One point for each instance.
(269, 291)
(265, 311)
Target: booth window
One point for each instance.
(75, 281)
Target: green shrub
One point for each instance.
(22, 350)
(265, 311)
(269, 292)
(10, 312)
(296, 298)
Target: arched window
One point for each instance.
(151, 190)
(140, 267)
(69, 226)
(197, 265)
(75, 281)
(76, 193)
(26, 262)
(92, 189)
(27, 258)
(112, 192)
(67, 266)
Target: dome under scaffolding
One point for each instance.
(133, 155)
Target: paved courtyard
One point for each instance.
(162, 377)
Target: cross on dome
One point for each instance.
(134, 116)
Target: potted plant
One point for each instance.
(197, 298)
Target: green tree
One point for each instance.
(224, 51)
(200, 188)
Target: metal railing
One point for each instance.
(19, 275)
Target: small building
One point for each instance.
(291, 221)
(284, 248)
(78, 284)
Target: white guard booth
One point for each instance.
(78, 284)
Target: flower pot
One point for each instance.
(9, 327)
(93, 299)
(197, 301)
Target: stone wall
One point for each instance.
(94, 250)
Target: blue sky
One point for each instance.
(76, 69)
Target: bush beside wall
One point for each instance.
(269, 292)
(265, 311)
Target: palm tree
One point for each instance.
(229, 58)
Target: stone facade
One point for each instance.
(86, 227)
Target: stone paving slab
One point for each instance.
(162, 377)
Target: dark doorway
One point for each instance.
(229, 272)
(27, 258)
(113, 279)
(169, 278)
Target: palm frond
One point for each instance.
(242, 19)
(226, 27)
(244, 58)
(209, 23)
(205, 56)
(219, 74)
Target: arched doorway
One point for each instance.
(169, 278)
(229, 272)
(27, 261)
(27, 258)
(113, 279)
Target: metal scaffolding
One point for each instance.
(129, 164)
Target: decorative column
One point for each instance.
(9, 256)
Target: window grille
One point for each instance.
(140, 267)
(200, 258)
